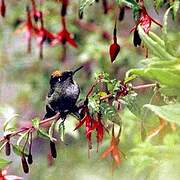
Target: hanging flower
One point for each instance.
(64, 36)
(24, 164)
(42, 34)
(3, 8)
(145, 22)
(114, 48)
(136, 39)
(90, 125)
(100, 130)
(121, 13)
(113, 149)
(28, 29)
(35, 13)
(53, 149)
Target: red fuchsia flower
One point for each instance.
(64, 36)
(42, 34)
(4, 176)
(113, 149)
(145, 22)
(99, 129)
(90, 125)
(114, 48)
(3, 8)
(29, 29)
(35, 13)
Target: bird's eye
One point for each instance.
(59, 79)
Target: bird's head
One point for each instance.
(58, 76)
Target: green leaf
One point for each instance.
(169, 112)
(83, 4)
(166, 76)
(155, 46)
(51, 130)
(44, 134)
(169, 45)
(175, 7)
(130, 3)
(11, 120)
(4, 163)
(18, 150)
(22, 136)
(36, 122)
(158, 3)
(60, 128)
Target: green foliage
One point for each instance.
(35, 123)
(168, 112)
(19, 150)
(4, 163)
(83, 4)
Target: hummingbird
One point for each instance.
(63, 94)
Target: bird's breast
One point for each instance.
(72, 90)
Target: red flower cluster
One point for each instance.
(64, 36)
(145, 22)
(41, 33)
(113, 149)
(90, 125)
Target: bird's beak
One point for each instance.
(76, 70)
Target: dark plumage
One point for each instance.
(63, 94)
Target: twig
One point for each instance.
(143, 86)
(31, 128)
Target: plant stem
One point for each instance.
(31, 128)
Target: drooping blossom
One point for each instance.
(35, 13)
(90, 125)
(145, 21)
(53, 149)
(42, 34)
(7, 146)
(99, 129)
(113, 149)
(136, 38)
(3, 8)
(24, 164)
(29, 29)
(121, 13)
(64, 36)
(114, 48)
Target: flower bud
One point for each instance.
(113, 51)
(121, 13)
(53, 149)
(8, 148)
(136, 39)
(24, 164)
(30, 159)
(3, 8)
